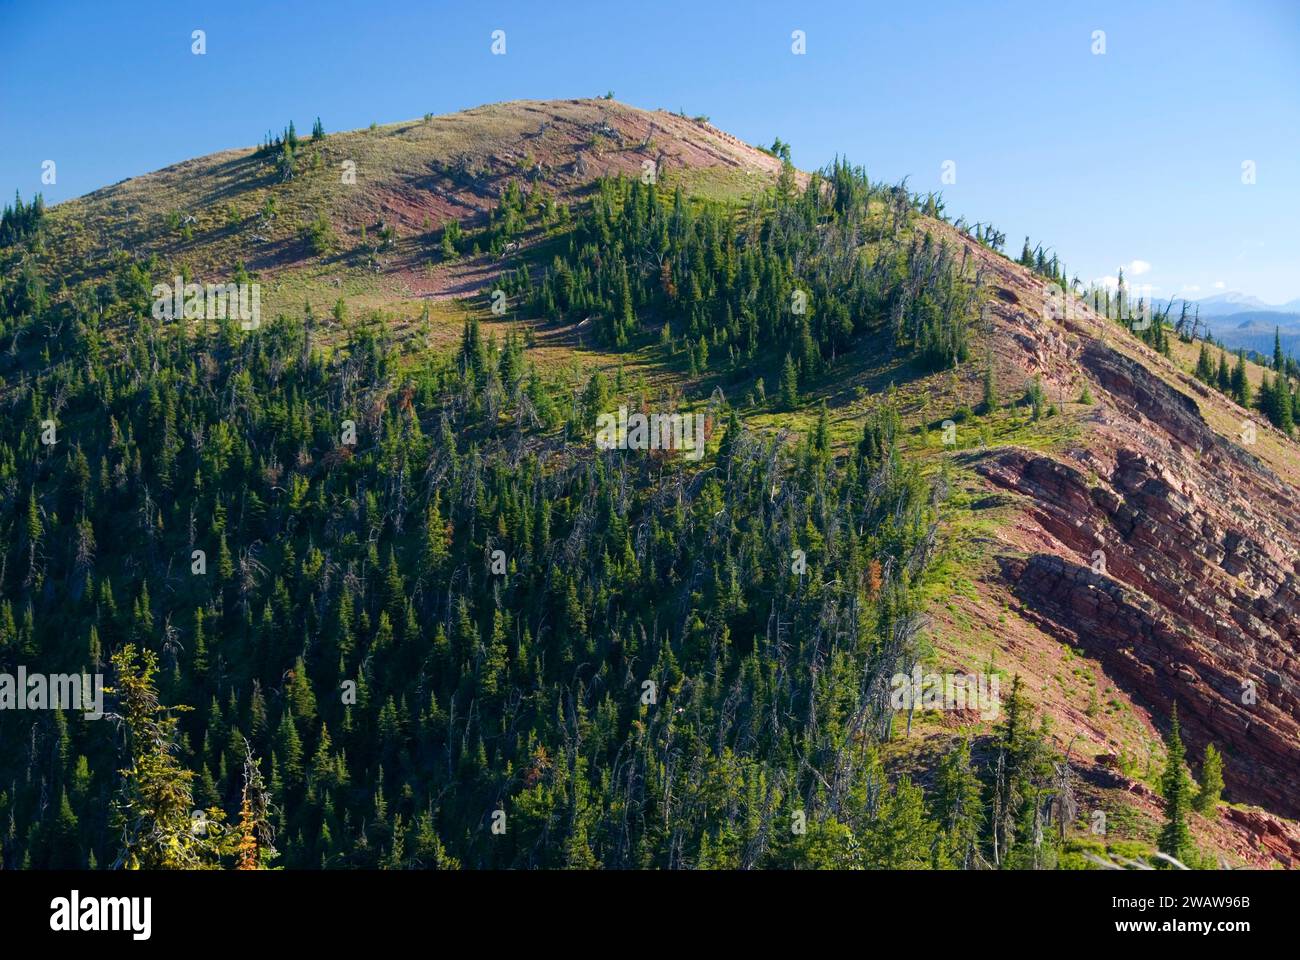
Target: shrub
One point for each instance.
(319, 235)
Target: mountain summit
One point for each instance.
(424, 616)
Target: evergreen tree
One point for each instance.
(1207, 797)
(1241, 389)
(1205, 364)
(1176, 786)
(1223, 378)
(154, 808)
(903, 837)
(1036, 398)
(959, 804)
(1285, 403)
(989, 403)
(789, 384)
(65, 845)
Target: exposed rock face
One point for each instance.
(1279, 839)
(1248, 836)
(1172, 557)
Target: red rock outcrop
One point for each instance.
(1281, 840)
(1174, 561)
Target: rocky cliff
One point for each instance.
(1163, 541)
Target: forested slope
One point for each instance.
(417, 616)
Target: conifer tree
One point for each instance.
(989, 403)
(1176, 786)
(1241, 389)
(1205, 364)
(903, 837)
(154, 808)
(959, 805)
(1207, 798)
(1285, 404)
(789, 384)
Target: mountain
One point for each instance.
(413, 177)
(1229, 304)
(426, 616)
(1256, 331)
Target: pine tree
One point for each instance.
(990, 400)
(1241, 389)
(789, 384)
(903, 836)
(1175, 838)
(65, 846)
(820, 440)
(225, 562)
(958, 804)
(1035, 397)
(436, 536)
(154, 808)
(1207, 798)
(1205, 364)
(1267, 399)
(1285, 403)
(200, 646)
(288, 752)
(785, 183)
(34, 525)
(493, 668)
(1010, 741)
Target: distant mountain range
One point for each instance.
(1230, 303)
(1243, 321)
(1254, 330)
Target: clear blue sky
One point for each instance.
(1134, 155)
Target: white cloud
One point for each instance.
(1219, 285)
(1138, 267)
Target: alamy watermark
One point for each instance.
(75, 913)
(53, 691)
(211, 301)
(1113, 303)
(949, 691)
(655, 431)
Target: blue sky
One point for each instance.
(1130, 157)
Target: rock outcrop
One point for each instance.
(1173, 560)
